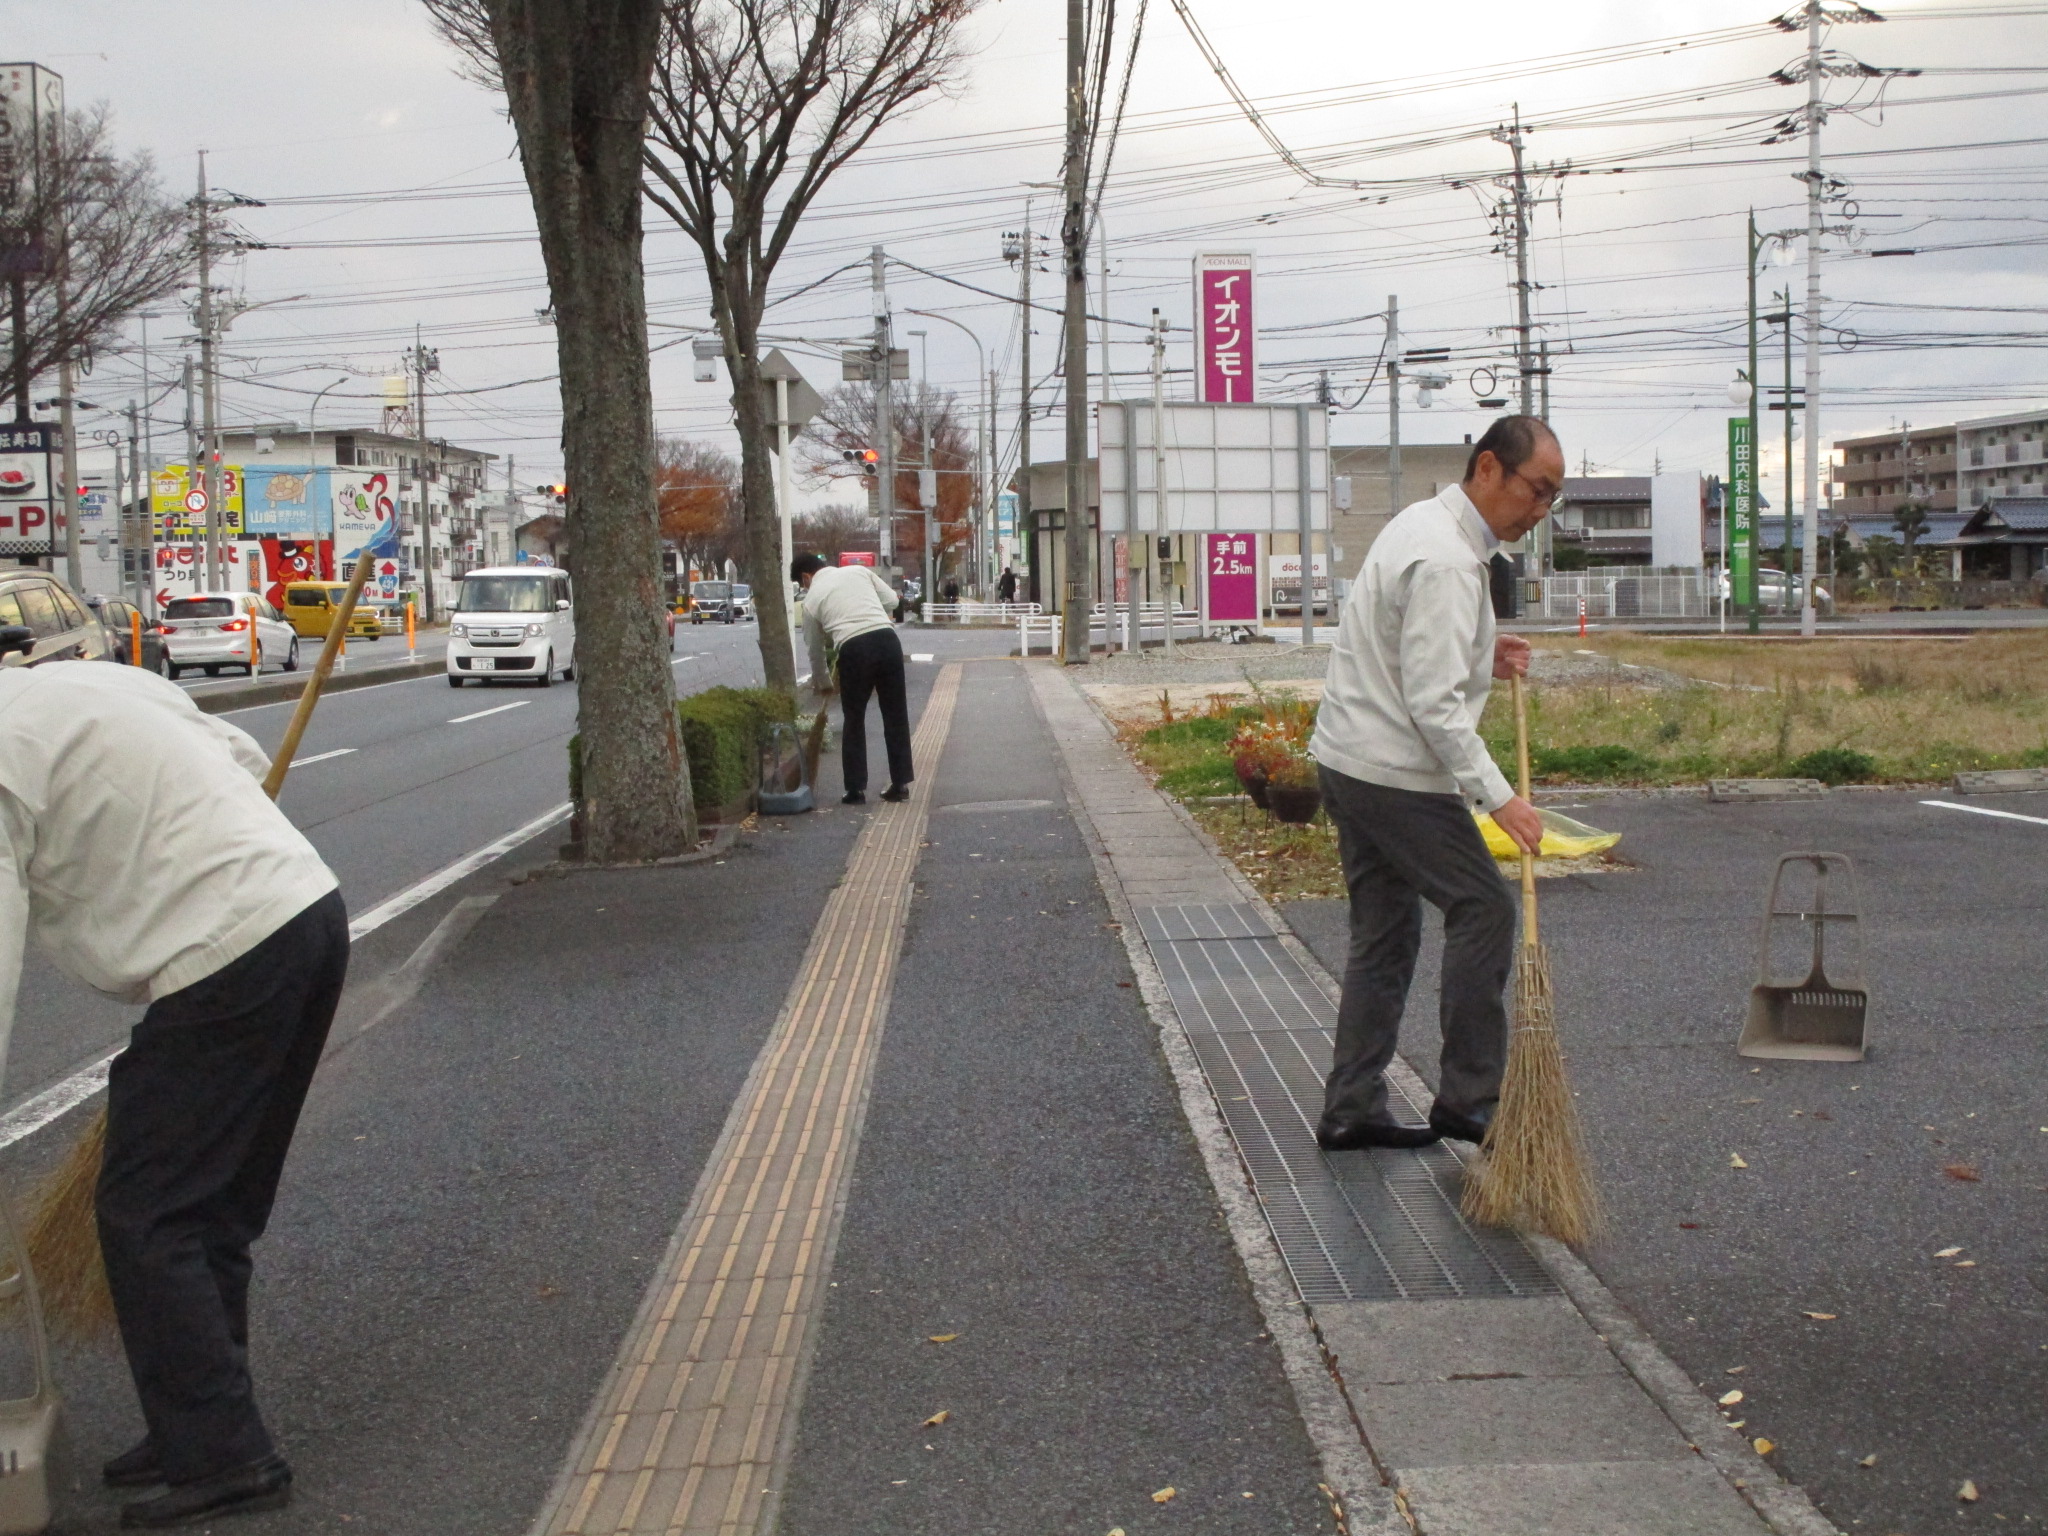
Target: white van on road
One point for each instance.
(513, 622)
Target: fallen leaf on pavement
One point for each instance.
(1948, 1253)
(1688, 1226)
(1735, 1160)
(1966, 1264)
(1868, 1461)
(1819, 1317)
(1737, 1370)
(1165, 1495)
(1962, 1173)
(1968, 1492)
(1763, 1447)
(938, 1418)
(944, 1338)
(1730, 1399)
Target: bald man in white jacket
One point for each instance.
(138, 846)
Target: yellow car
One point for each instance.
(310, 606)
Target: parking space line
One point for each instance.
(1985, 810)
(497, 710)
(321, 757)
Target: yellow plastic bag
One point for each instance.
(1563, 838)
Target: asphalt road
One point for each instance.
(1858, 1178)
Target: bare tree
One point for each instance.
(756, 104)
(847, 421)
(575, 75)
(697, 488)
(833, 530)
(111, 235)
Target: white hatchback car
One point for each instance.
(226, 629)
(513, 621)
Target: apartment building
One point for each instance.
(1884, 471)
(2001, 456)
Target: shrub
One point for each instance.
(1834, 765)
(722, 730)
(1589, 763)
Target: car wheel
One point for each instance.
(569, 673)
(173, 671)
(212, 670)
(454, 681)
(291, 655)
(547, 670)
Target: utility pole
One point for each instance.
(1393, 404)
(1786, 296)
(1512, 137)
(1746, 596)
(1076, 596)
(885, 426)
(1809, 543)
(424, 362)
(138, 538)
(1160, 521)
(191, 436)
(203, 473)
(1543, 546)
(74, 572)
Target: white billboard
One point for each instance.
(1229, 468)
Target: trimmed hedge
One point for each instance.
(722, 732)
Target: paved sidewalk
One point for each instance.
(1492, 1404)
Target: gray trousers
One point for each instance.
(1401, 848)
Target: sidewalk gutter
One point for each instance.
(1536, 1415)
(287, 686)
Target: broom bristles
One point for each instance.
(1533, 1172)
(63, 1241)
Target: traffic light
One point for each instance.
(866, 458)
(560, 493)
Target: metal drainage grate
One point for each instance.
(1378, 1225)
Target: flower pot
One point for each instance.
(1253, 778)
(1295, 804)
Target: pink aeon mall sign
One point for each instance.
(1226, 356)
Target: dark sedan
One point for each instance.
(120, 618)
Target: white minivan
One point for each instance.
(513, 621)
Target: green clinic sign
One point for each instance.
(1741, 511)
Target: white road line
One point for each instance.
(681, 659)
(497, 711)
(1985, 810)
(321, 757)
(60, 1098)
(922, 655)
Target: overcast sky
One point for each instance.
(394, 199)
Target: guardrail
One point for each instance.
(1152, 615)
(973, 612)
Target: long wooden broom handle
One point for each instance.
(1522, 787)
(281, 764)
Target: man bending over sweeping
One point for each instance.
(1397, 739)
(138, 844)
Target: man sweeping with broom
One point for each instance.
(138, 844)
(1401, 759)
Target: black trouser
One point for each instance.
(200, 1111)
(1400, 848)
(873, 664)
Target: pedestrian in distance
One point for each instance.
(1401, 760)
(850, 606)
(1006, 587)
(138, 845)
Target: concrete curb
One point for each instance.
(1357, 1485)
(286, 687)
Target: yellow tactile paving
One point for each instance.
(695, 1413)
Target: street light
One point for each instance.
(984, 428)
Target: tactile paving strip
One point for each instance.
(1378, 1225)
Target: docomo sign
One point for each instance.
(1225, 338)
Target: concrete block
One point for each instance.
(1613, 1498)
(1381, 1343)
(1754, 791)
(2000, 781)
(1505, 1423)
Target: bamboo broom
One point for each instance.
(63, 1238)
(1533, 1172)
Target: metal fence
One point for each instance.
(1616, 594)
(971, 612)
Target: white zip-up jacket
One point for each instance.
(1413, 662)
(135, 837)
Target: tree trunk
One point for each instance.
(576, 78)
(758, 512)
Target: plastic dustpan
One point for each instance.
(27, 1424)
(785, 788)
(1798, 1009)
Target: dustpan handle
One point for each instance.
(1820, 915)
(1522, 786)
(38, 1339)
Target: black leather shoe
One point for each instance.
(136, 1467)
(265, 1484)
(896, 793)
(1448, 1122)
(853, 797)
(1373, 1133)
